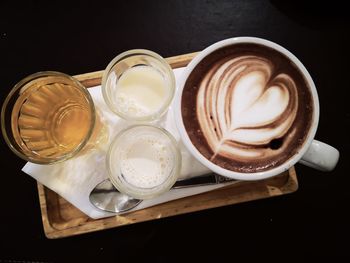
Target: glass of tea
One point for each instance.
(48, 117)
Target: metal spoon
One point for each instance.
(107, 198)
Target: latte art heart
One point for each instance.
(247, 107)
(243, 106)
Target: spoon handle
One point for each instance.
(206, 179)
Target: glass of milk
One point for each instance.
(143, 161)
(138, 85)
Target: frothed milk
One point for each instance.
(247, 108)
(143, 161)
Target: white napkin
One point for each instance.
(74, 179)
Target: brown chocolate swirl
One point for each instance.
(241, 109)
(251, 109)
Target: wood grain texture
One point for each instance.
(94, 78)
(62, 219)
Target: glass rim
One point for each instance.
(142, 193)
(13, 92)
(134, 52)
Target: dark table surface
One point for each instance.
(83, 37)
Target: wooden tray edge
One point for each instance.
(290, 186)
(94, 78)
(48, 229)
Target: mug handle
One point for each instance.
(320, 156)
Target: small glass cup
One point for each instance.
(143, 161)
(138, 85)
(48, 117)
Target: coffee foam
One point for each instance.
(252, 108)
(237, 105)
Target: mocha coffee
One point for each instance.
(247, 108)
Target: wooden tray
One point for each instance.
(61, 219)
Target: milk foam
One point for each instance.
(141, 91)
(240, 104)
(247, 107)
(145, 162)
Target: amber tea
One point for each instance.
(52, 117)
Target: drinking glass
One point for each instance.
(143, 161)
(138, 85)
(48, 117)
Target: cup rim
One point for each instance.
(233, 174)
(169, 182)
(13, 92)
(124, 55)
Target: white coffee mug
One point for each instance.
(312, 153)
